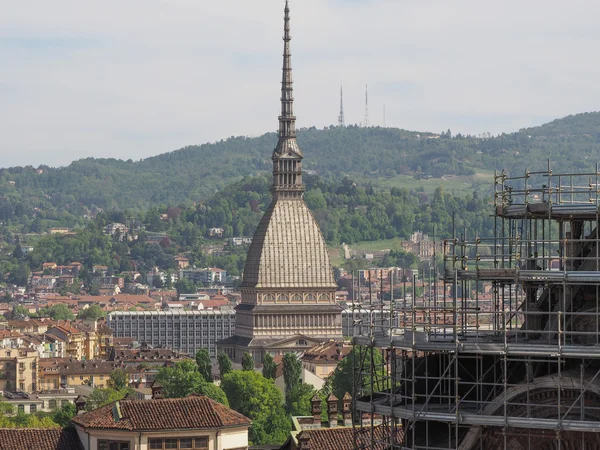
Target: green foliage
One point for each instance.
(6, 408)
(19, 311)
(256, 397)
(103, 396)
(118, 380)
(181, 380)
(292, 371)
(298, 399)
(184, 379)
(247, 361)
(343, 376)
(269, 367)
(92, 312)
(23, 420)
(213, 391)
(64, 415)
(225, 365)
(204, 364)
(57, 312)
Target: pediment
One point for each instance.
(291, 341)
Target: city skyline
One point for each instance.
(113, 80)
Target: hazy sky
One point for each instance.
(135, 78)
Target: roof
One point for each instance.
(288, 250)
(191, 413)
(39, 439)
(328, 352)
(342, 438)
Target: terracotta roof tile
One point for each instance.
(343, 438)
(194, 412)
(39, 439)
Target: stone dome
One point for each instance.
(288, 250)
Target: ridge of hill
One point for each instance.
(195, 173)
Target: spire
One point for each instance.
(287, 120)
(341, 119)
(287, 157)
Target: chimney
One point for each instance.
(347, 409)
(332, 410)
(80, 404)
(304, 440)
(157, 391)
(316, 409)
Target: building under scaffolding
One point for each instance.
(515, 368)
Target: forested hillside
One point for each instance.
(44, 196)
(346, 212)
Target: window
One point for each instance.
(171, 443)
(21, 408)
(32, 409)
(113, 445)
(199, 443)
(186, 443)
(155, 444)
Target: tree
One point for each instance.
(6, 409)
(57, 312)
(342, 377)
(118, 380)
(215, 392)
(298, 400)
(292, 371)
(20, 275)
(185, 287)
(247, 361)
(93, 312)
(103, 396)
(204, 364)
(225, 365)
(181, 380)
(64, 415)
(184, 379)
(257, 397)
(269, 367)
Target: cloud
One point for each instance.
(138, 78)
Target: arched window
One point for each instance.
(297, 297)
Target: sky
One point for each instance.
(136, 78)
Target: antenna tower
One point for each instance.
(341, 119)
(366, 122)
(383, 116)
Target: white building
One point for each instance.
(183, 331)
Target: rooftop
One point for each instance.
(39, 439)
(194, 412)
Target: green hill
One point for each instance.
(385, 157)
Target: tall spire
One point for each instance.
(341, 118)
(287, 120)
(287, 157)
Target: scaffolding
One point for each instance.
(507, 354)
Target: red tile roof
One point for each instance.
(194, 412)
(39, 439)
(343, 438)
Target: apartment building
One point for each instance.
(18, 369)
(183, 331)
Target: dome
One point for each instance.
(288, 250)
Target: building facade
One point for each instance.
(183, 331)
(288, 287)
